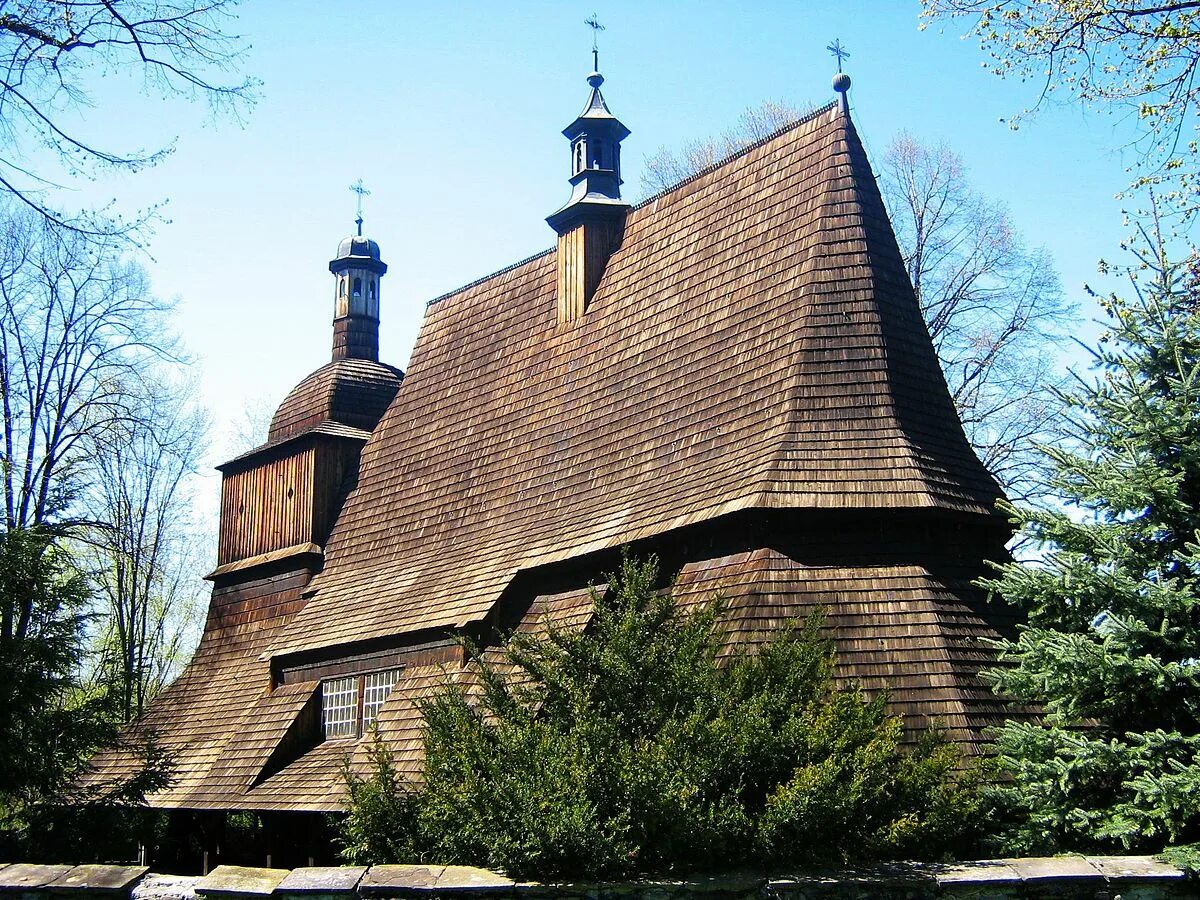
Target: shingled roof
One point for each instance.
(755, 343)
(351, 392)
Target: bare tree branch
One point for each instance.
(668, 167)
(48, 52)
(82, 346)
(995, 309)
(143, 552)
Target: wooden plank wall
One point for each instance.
(336, 467)
(583, 253)
(570, 275)
(267, 507)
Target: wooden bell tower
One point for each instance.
(591, 223)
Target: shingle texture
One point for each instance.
(751, 392)
(352, 392)
(220, 721)
(754, 343)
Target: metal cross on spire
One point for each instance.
(358, 188)
(839, 51)
(593, 22)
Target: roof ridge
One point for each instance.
(740, 152)
(489, 277)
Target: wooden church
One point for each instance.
(733, 374)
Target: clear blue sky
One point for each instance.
(451, 114)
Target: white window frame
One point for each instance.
(350, 704)
(376, 687)
(339, 707)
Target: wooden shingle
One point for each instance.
(754, 343)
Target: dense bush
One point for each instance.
(633, 747)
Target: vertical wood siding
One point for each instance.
(570, 275)
(268, 507)
(583, 253)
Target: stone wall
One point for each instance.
(1068, 877)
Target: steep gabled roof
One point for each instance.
(754, 343)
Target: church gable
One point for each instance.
(750, 346)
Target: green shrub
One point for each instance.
(634, 747)
(54, 720)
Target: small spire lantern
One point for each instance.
(595, 137)
(357, 269)
(591, 223)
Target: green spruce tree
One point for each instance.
(53, 720)
(1111, 649)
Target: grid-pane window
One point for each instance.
(339, 707)
(376, 688)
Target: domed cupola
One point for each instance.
(361, 249)
(280, 500)
(357, 269)
(350, 392)
(354, 388)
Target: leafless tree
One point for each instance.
(51, 52)
(995, 308)
(143, 551)
(668, 167)
(81, 339)
(249, 429)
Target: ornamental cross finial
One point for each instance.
(839, 51)
(358, 188)
(593, 22)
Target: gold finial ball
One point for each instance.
(841, 82)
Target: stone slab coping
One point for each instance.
(469, 878)
(888, 872)
(240, 881)
(335, 882)
(984, 871)
(1136, 868)
(726, 883)
(996, 872)
(383, 880)
(1054, 868)
(99, 879)
(717, 885)
(165, 887)
(27, 876)
(390, 880)
(322, 880)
